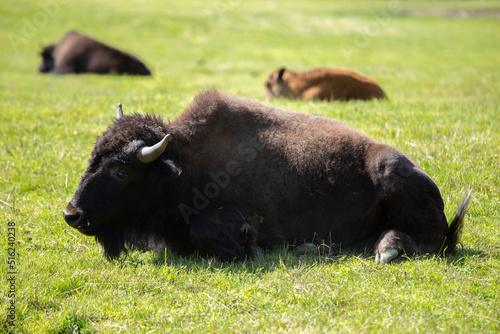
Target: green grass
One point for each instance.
(441, 73)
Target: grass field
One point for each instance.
(440, 68)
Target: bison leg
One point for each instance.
(311, 249)
(64, 69)
(226, 234)
(216, 239)
(392, 243)
(312, 93)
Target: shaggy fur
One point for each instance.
(78, 53)
(237, 236)
(322, 84)
(237, 176)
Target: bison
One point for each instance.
(231, 176)
(322, 84)
(78, 53)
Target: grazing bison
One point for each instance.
(322, 84)
(231, 176)
(78, 53)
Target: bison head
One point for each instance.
(277, 85)
(47, 64)
(134, 66)
(117, 199)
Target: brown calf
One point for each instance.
(322, 84)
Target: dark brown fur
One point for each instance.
(322, 84)
(78, 53)
(307, 178)
(237, 234)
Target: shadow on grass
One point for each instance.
(283, 257)
(268, 260)
(467, 253)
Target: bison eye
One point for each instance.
(122, 175)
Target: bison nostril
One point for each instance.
(72, 218)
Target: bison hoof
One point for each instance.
(305, 249)
(257, 251)
(312, 249)
(386, 256)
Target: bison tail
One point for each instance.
(457, 223)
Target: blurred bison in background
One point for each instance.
(231, 176)
(322, 84)
(78, 53)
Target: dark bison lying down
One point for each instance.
(78, 53)
(231, 175)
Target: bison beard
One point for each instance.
(136, 235)
(113, 243)
(231, 176)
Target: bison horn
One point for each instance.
(119, 112)
(149, 154)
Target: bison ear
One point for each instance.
(149, 154)
(280, 74)
(119, 111)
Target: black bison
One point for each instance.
(78, 53)
(322, 84)
(231, 176)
